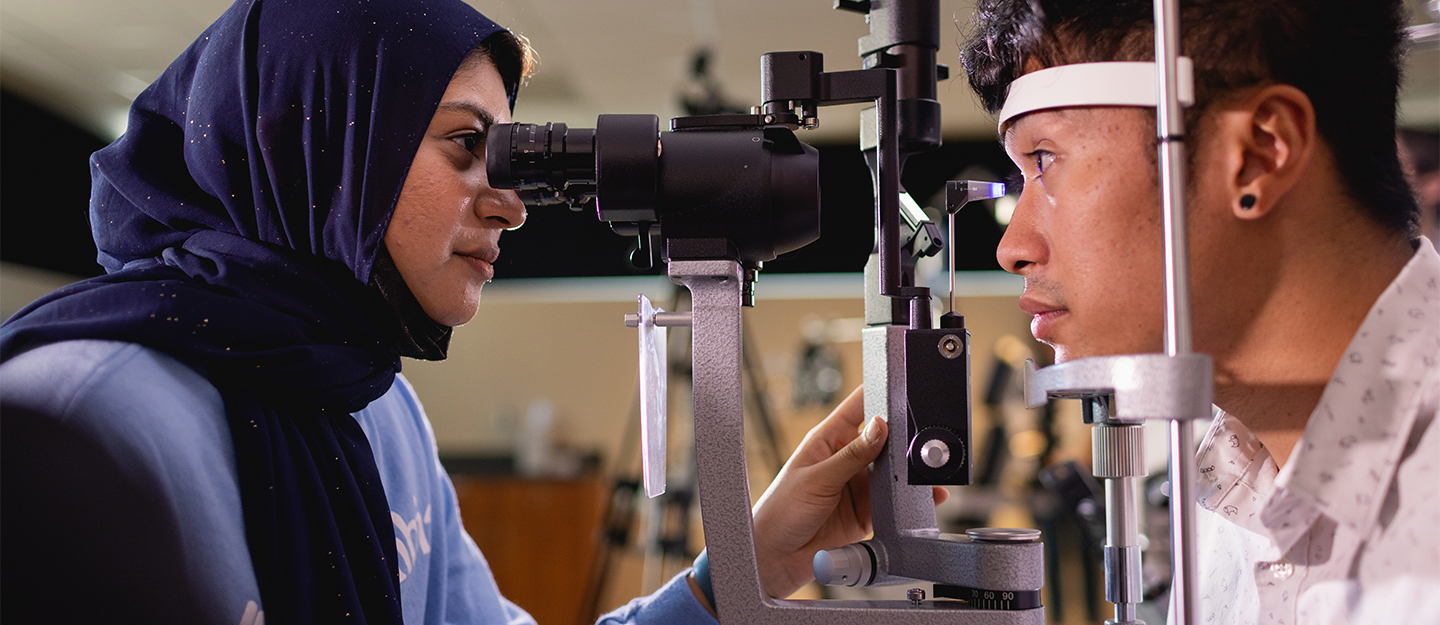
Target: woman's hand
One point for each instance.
(820, 499)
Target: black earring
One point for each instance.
(1247, 201)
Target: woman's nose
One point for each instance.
(506, 208)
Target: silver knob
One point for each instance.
(916, 595)
(1003, 534)
(935, 454)
(851, 565)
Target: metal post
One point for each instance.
(887, 187)
(1119, 460)
(1171, 131)
(950, 250)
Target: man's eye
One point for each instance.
(1043, 160)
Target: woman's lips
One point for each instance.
(481, 261)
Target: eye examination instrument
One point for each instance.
(725, 194)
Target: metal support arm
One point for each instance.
(725, 494)
(1144, 386)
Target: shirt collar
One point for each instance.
(1236, 472)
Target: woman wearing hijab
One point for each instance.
(216, 431)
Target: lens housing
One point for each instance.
(541, 162)
(756, 187)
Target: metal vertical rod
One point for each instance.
(1182, 523)
(950, 245)
(1171, 132)
(1124, 585)
(1119, 460)
(887, 174)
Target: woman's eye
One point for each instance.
(472, 142)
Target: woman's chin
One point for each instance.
(455, 312)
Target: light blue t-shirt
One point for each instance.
(165, 423)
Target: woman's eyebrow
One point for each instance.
(486, 119)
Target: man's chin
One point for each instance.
(1063, 352)
(1067, 353)
(1064, 355)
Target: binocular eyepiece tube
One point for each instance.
(541, 162)
(745, 192)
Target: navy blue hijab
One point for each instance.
(238, 219)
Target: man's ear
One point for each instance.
(1268, 139)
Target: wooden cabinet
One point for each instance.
(540, 537)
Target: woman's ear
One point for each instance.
(1268, 138)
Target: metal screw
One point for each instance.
(950, 346)
(916, 595)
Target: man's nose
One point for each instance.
(1023, 245)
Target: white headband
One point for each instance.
(1093, 84)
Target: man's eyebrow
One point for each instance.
(1006, 136)
(486, 119)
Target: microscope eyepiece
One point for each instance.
(546, 164)
(753, 188)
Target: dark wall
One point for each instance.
(45, 189)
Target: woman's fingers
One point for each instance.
(834, 472)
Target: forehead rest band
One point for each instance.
(1092, 84)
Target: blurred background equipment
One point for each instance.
(819, 379)
(703, 95)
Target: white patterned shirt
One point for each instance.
(1349, 530)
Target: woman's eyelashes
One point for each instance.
(472, 142)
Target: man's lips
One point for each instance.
(1045, 314)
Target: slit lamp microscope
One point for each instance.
(727, 193)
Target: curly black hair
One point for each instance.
(1345, 55)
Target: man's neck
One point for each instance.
(1273, 369)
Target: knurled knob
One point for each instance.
(1119, 450)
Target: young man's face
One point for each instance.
(1086, 234)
